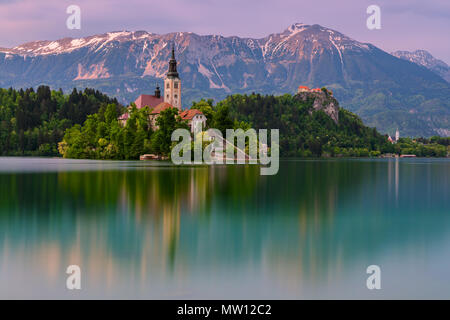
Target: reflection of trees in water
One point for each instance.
(122, 215)
(310, 218)
(316, 218)
(282, 222)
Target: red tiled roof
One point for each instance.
(160, 107)
(316, 89)
(156, 110)
(124, 116)
(303, 87)
(189, 114)
(147, 100)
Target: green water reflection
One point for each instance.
(143, 230)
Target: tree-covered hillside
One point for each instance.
(33, 122)
(305, 131)
(84, 124)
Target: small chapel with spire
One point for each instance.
(171, 98)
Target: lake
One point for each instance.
(143, 229)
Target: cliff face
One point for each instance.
(322, 100)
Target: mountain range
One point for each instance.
(387, 91)
(424, 58)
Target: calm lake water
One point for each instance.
(151, 230)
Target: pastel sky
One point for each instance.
(406, 24)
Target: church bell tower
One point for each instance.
(172, 84)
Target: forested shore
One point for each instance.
(84, 124)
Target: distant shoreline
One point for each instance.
(168, 160)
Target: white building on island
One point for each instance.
(396, 138)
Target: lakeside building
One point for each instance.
(171, 98)
(397, 137)
(194, 118)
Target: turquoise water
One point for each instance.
(151, 230)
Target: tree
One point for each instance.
(33, 123)
(167, 122)
(222, 120)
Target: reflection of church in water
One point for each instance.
(393, 177)
(163, 206)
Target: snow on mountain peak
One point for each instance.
(297, 27)
(426, 59)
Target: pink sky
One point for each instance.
(406, 24)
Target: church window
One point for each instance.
(175, 85)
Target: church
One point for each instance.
(171, 98)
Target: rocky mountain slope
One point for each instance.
(322, 100)
(424, 58)
(387, 92)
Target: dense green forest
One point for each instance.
(34, 122)
(306, 133)
(422, 147)
(103, 137)
(83, 124)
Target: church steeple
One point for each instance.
(157, 91)
(173, 73)
(172, 84)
